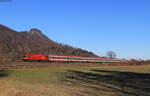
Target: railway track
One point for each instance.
(23, 65)
(17, 65)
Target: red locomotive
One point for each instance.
(40, 57)
(35, 57)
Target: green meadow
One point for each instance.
(77, 81)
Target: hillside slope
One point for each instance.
(14, 45)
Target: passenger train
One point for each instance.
(59, 58)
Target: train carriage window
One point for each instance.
(50, 57)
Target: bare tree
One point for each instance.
(111, 54)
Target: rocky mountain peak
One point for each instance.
(35, 31)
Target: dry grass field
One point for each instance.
(77, 81)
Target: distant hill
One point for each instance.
(14, 45)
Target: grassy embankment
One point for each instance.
(69, 81)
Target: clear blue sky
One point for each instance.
(122, 26)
